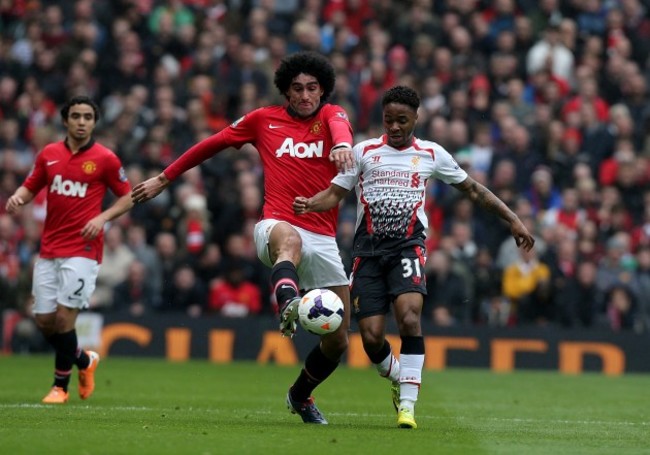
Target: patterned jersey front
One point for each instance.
(75, 185)
(390, 186)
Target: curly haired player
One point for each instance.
(305, 137)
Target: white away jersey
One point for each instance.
(390, 186)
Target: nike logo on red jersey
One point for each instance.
(50, 163)
(272, 126)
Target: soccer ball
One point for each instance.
(320, 311)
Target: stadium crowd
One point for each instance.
(546, 103)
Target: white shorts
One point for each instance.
(63, 281)
(320, 265)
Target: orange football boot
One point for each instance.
(56, 396)
(87, 376)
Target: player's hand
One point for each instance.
(14, 203)
(522, 237)
(301, 205)
(92, 229)
(149, 189)
(342, 157)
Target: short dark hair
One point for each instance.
(81, 99)
(307, 62)
(401, 95)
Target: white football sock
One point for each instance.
(410, 378)
(389, 368)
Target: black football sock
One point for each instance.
(379, 356)
(284, 280)
(317, 369)
(53, 340)
(81, 359)
(66, 346)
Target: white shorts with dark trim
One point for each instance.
(63, 281)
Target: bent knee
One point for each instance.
(409, 324)
(372, 341)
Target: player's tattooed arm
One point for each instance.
(482, 196)
(485, 198)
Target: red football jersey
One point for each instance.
(76, 185)
(294, 153)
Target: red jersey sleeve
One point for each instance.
(236, 134)
(339, 125)
(115, 177)
(37, 178)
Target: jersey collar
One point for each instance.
(294, 114)
(90, 143)
(384, 139)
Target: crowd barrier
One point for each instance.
(179, 338)
(221, 340)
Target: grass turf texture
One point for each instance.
(147, 406)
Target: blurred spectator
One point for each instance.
(507, 253)
(487, 287)
(617, 264)
(542, 193)
(580, 301)
(235, 295)
(136, 240)
(167, 259)
(187, 294)
(527, 284)
(568, 213)
(641, 287)
(115, 267)
(549, 53)
(446, 302)
(620, 307)
(562, 260)
(194, 226)
(135, 294)
(9, 262)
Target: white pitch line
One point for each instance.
(342, 414)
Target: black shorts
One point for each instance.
(376, 281)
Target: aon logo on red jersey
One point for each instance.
(68, 187)
(300, 149)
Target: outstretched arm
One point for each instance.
(194, 156)
(150, 188)
(321, 202)
(485, 198)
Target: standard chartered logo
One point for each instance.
(300, 149)
(68, 187)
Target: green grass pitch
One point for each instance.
(149, 406)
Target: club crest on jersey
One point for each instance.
(316, 127)
(415, 161)
(89, 167)
(300, 149)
